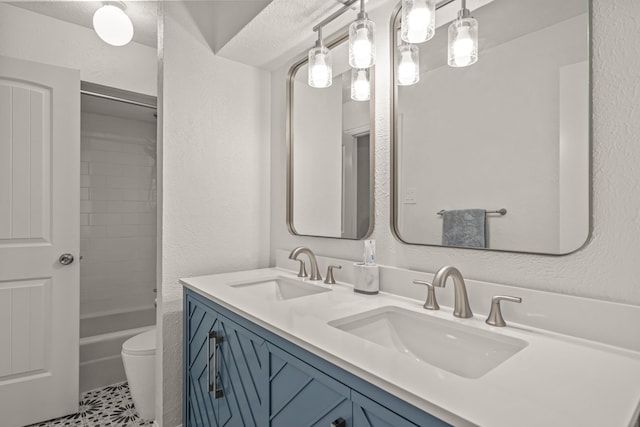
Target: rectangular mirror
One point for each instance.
(496, 155)
(330, 154)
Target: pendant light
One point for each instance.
(320, 70)
(360, 84)
(418, 20)
(463, 39)
(362, 49)
(112, 24)
(408, 65)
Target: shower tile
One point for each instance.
(105, 145)
(108, 406)
(129, 158)
(92, 156)
(105, 219)
(105, 194)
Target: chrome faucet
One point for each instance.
(461, 301)
(315, 272)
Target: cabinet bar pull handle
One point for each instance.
(213, 385)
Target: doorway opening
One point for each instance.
(118, 228)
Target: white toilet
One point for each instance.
(139, 358)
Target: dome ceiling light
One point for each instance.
(112, 24)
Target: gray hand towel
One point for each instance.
(464, 228)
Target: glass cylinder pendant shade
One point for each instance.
(408, 65)
(463, 42)
(362, 49)
(360, 84)
(418, 20)
(320, 72)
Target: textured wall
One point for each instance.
(34, 37)
(215, 189)
(607, 268)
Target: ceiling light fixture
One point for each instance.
(418, 20)
(418, 25)
(360, 84)
(362, 48)
(408, 65)
(362, 52)
(320, 71)
(463, 39)
(112, 24)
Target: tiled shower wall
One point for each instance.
(118, 214)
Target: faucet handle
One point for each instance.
(431, 303)
(302, 272)
(330, 280)
(495, 315)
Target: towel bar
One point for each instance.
(501, 212)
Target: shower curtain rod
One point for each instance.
(118, 99)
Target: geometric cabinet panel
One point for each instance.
(303, 396)
(200, 408)
(226, 377)
(24, 323)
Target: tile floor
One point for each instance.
(108, 406)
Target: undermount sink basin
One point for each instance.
(459, 349)
(280, 288)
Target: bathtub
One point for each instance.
(101, 338)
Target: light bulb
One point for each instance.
(362, 51)
(360, 86)
(418, 20)
(463, 45)
(320, 72)
(408, 65)
(463, 42)
(113, 25)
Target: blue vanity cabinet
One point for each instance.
(303, 396)
(225, 370)
(243, 376)
(367, 413)
(199, 322)
(264, 380)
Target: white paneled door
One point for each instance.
(39, 222)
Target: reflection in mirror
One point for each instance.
(330, 156)
(496, 155)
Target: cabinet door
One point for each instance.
(244, 377)
(302, 396)
(200, 403)
(367, 413)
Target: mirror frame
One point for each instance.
(289, 137)
(394, 27)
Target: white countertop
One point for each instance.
(556, 380)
